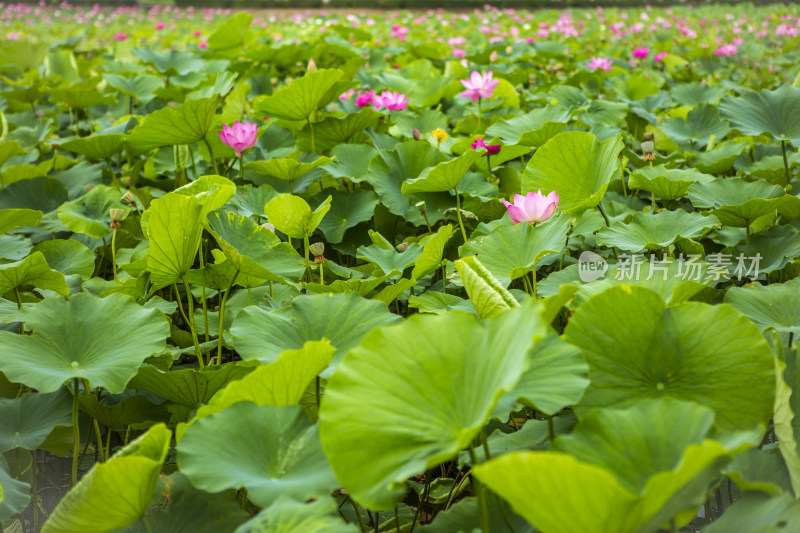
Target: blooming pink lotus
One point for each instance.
(533, 208)
(641, 52)
(479, 86)
(160, 26)
(727, 50)
(600, 63)
(491, 149)
(240, 137)
(120, 36)
(391, 100)
(365, 99)
(347, 95)
(659, 57)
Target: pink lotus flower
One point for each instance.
(641, 52)
(160, 26)
(240, 137)
(365, 99)
(533, 208)
(391, 100)
(120, 36)
(600, 63)
(479, 86)
(491, 149)
(347, 95)
(726, 50)
(659, 57)
(459, 52)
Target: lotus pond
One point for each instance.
(492, 271)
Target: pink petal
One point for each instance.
(515, 214)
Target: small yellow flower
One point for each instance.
(439, 134)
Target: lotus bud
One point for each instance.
(493, 56)
(312, 66)
(317, 249)
(417, 135)
(268, 226)
(116, 214)
(402, 247)
(127, 198)
(421, 206)
(712, 142)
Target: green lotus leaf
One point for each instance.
(231, 34)
(125, 412)
(720, 159)
(174, 228)
(666, 183)
(115, 493)
(453, 368)
(293, 216)
(693, 94)
(102, 340)
(286, 515)
(760, 470)
(432, 252)
(302, 96)
(348, 209)
(773, 306)
(532, 129)
(89, 214)
(756, 512)
(444, 176)
(285, 169)
(40, 194)
(32, 271)
(97, 147)
(18, 218)
(268, 450)
(655, 232)
(29, 419)
(700, 125)
(638, 348)
(170, 63)
(575, 164)
(352, 161)
(141, 87)
(14, 494)
(343, 319)
(390, 260)
(511, 251)
(736, 202)
(187, 123)
(463, 517)
(213, 192)
(333, 131)
(70, 257)
(487, 294)
(775, 112)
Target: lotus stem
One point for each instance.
(114, 252)
(241, 167)
(76, 430)
(480, 101)
(211, 155)
(785, 162)
(533, 276)
(203, 293)
(222, 316)
(458, 212)
(551, 432)
(192, 327)
(308, 262)
(311, 129)
(483, 512)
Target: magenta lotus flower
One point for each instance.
(491, 149)
(533, 208)
(120, 36)
(347, 95)
(479, 86)
(392, 100)
(659, 57)
(600, 63)
(641, 52)
(365, 99)
(726, 50)
(240, 137)
(160, 26)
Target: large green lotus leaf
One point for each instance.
(181, 507)
(32, 271)
(736, 202)
(432, 381)
(757, 512)
(777, 246)
(170, 63)
(302, 96)
(343, 319)
(432, 252)
(212, 191)
(547, 487)
(81, 95)
(701, 123)
(89, 214)
(720, 159)
(123, 413)
(533, 129)
(8, 149)
(775, 112)
(674, 281)
(286, 515)
(174, 228)
(18, 218)
(390, 260)
(14, 247)
(97, 147)
(352, 161)
(760, 470)
(280, 383)
(444, 176)
(638, 348)
(464, 516)
(188, 386)
(231, 34)
(103, 340)
(268, 450)
(40, 194)
(285, 169)
(774, 306)
(28, 420)
(254, 250)
(141, 87)
(334, 131)
(115, 493)
(390, 169)
(786, 405)
(692, 94)
(666, 183)
(575, 164)
(556, 378)
(293, 216)
(487, 294)
(347, 211)
(511, 251)
(655, 232)
(14, 494)
(70, 257)
(187, 123)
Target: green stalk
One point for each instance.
(308, 262)
(190, 301)
(76, 430)
(483, 511)
(785, 162)
(311, 128)
(203, 293)
(458, 212)
(211, 155)
(533, 275)
(114, 252)
(222, 317)
(551, 432)
(321, 274)
(241, 167)
(480, 101)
